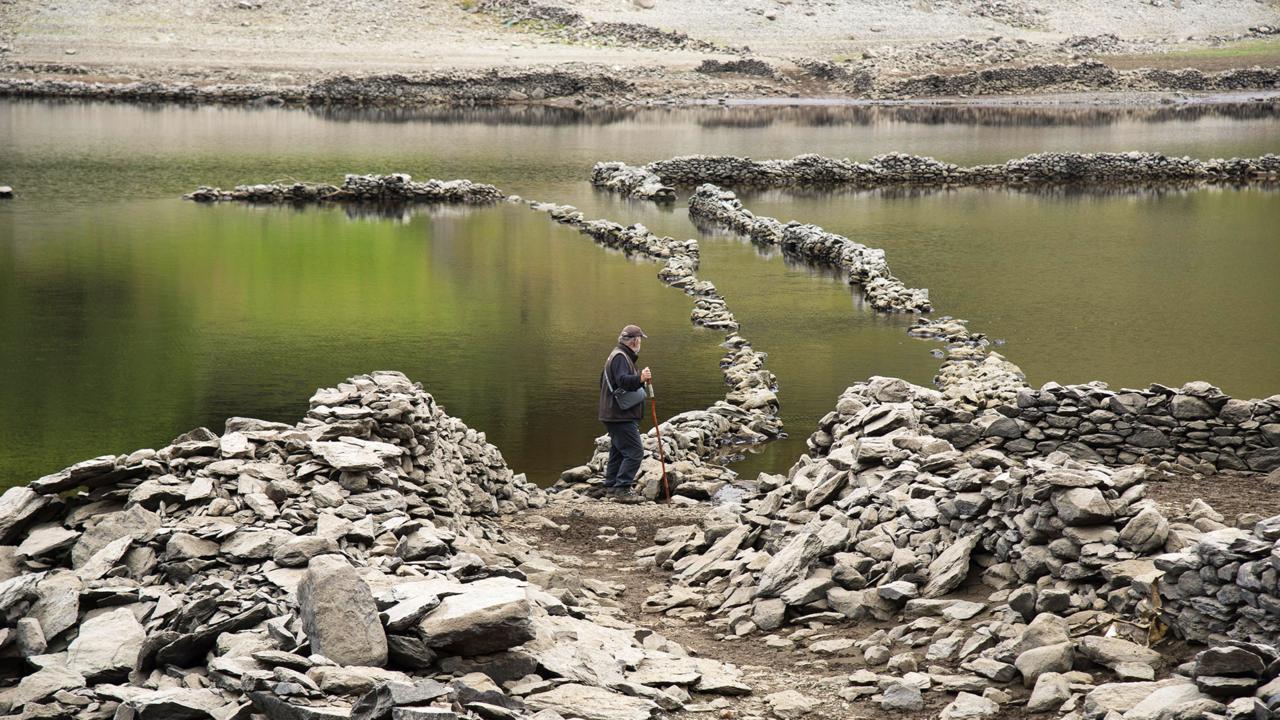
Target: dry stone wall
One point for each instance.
(1196, 427)
(655, 180)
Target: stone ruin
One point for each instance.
(348, 566)
(394, 188)
(997, 580)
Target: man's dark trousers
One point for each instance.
(625, 454)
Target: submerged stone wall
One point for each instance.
(654, 181)
(394, 188)
(1088, 75)
(1196, 427)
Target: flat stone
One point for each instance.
(967, 705)
(1050, 658)
(300, 550)
(1082, 506)
(790, 705)
(591, 703)
(901, 696)
(790, 565)
(107, 647)
(1051, 691)
(45, 539)
(1111, 652)
(485, 619)
(136, 522)
(1229, 661)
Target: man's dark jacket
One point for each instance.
(623, 374)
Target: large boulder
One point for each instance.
(339, 614)
(591, 703)
(489, 616)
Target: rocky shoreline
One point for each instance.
(594, 84)
(655, 180)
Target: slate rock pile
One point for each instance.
(694, 442)
(1196, 427)
(346, 566)
(884, 520)
(568, 23)
(898, 169)
(862, 265)
(394, 188)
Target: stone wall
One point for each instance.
(394, 188)
(654, 180)
(1196, 427)
(1084, 76)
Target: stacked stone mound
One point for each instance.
(694, 442)
(1193, 428)
(346, 566)
(862, 265)
(899, 169)
(744, 66)
(884, 520)
(394, 188)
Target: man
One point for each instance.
(625, 449)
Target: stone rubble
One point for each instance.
(695, 443)
(348, 566)
(394, 188)
(899, 169)
(886, 521)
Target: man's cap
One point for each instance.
(633, 331)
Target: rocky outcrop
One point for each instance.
(346, 566)
(695, 443)
(395, 188)
(898, 169)
(570, 24)
(886, 521)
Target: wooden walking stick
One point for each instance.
(662, 458)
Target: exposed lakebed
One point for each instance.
(128, 316)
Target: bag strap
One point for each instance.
(607, 363)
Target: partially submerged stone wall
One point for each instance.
(339, 567)
(654, 181)
(394, 188)
(861, 265)
(971, 376)
(886, 521)
(694, 442)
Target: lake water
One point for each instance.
(128, 315)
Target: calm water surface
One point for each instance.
(128, 316)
